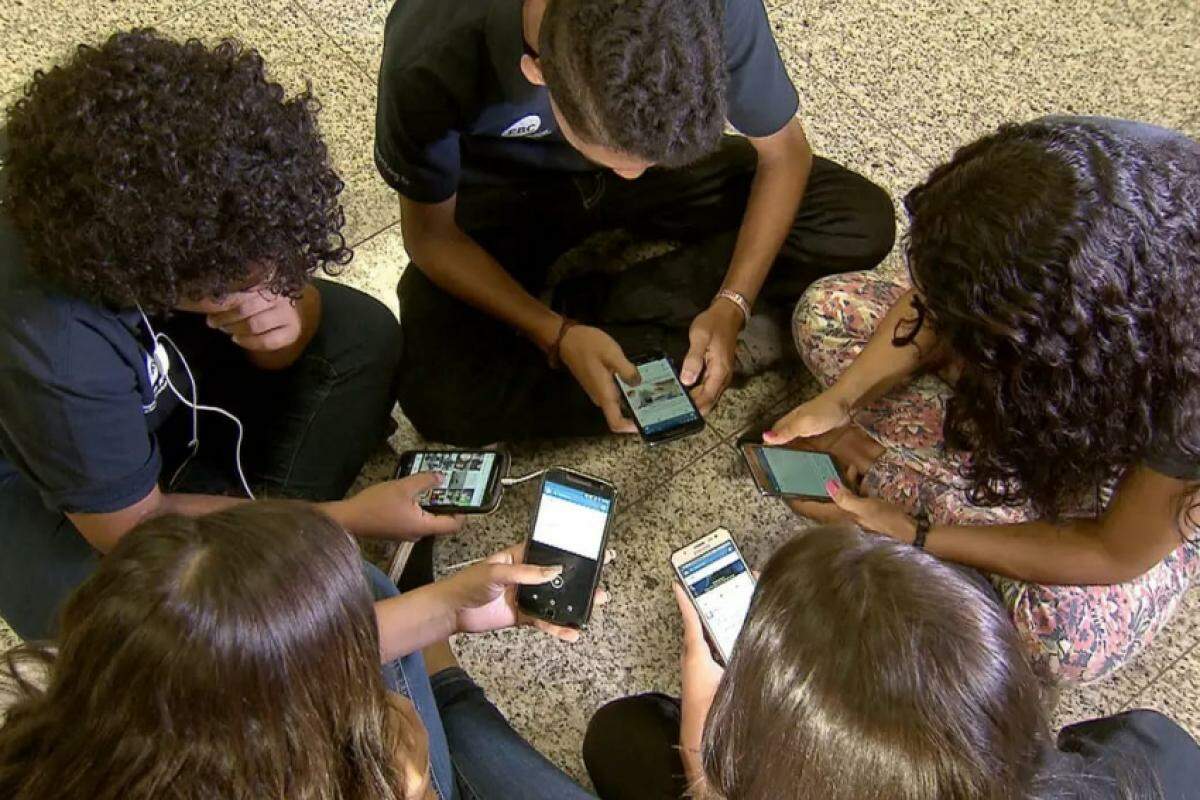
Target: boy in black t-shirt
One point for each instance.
(513, 129)
(163, 211)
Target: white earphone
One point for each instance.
(164, 365)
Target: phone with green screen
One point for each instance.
(784, 472)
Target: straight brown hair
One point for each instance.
(868, 669)
(234, 655)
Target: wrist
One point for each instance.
(341, 512)
(544, 332)
(729, 313)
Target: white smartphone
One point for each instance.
(717, 579)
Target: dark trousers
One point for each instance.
(631, 749)
(468, 379)
(308, 431)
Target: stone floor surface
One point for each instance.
(888, 87)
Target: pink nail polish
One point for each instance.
(832, 487)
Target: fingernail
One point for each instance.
(832, 487)
(553, 571)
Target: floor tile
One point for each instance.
(1174, 693)
(377, 266)
(297, 54)
(356, 26)
(941, 74)
(632, 645)
(624, 460)
(40, 33)
(371, 205)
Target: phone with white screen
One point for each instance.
(471, 479)
(719, 583)
(570, 528)
(784, 472)
(660, 405)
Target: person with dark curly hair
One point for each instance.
(1030, 406)
(165, 207)
(515, 129)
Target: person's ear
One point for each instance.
(532, 70)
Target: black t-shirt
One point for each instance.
(451, 93)
(80, 392)
(1137, 754)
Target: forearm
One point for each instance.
(103, 531)
(1073, 552)
(459, 266)
(775, 196)
(412, 621)
(309, 308)
(881, 364)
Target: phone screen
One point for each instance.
(796, 471)
(722, 587)
(571, 520)
(659, 402)
(569, 530)
(466, 477)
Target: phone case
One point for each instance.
(502, 467)
(708, 633)
(541, 602)
(769, 491)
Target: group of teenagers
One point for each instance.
(1017, 420)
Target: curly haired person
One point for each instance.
(1029, 407)
(514, 129)
(165, 207)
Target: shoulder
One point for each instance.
(1134, 751)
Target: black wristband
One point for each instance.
(922, 520)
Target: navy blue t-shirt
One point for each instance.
(451, 92)
(78, 401)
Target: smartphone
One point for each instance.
(784, 472)
(570, 527)
(470, 479)
(720, 585)
(661, 408)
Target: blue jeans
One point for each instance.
(474, 754)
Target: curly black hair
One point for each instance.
(1061, 262)
(144, 170)
(643, 77)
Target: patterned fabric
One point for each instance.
(1078, 634)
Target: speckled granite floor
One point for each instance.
(888, 87)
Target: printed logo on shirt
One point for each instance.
(158, 365)
(526, 126)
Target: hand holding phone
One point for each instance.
(469, 482)
(660, 405)
(484, 594)
(570, 529)
(785, 472)
(717, 581)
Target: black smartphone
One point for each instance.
(720, 585)
(660, 405)
(784, 472)
(570, 527)
(470, 479)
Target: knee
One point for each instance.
(352, 320)
(878, 220)
(820, 306)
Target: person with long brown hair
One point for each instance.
(869, 670)
(237, 655)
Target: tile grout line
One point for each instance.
(1137, 695)
(302, 8)
(850, 96)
